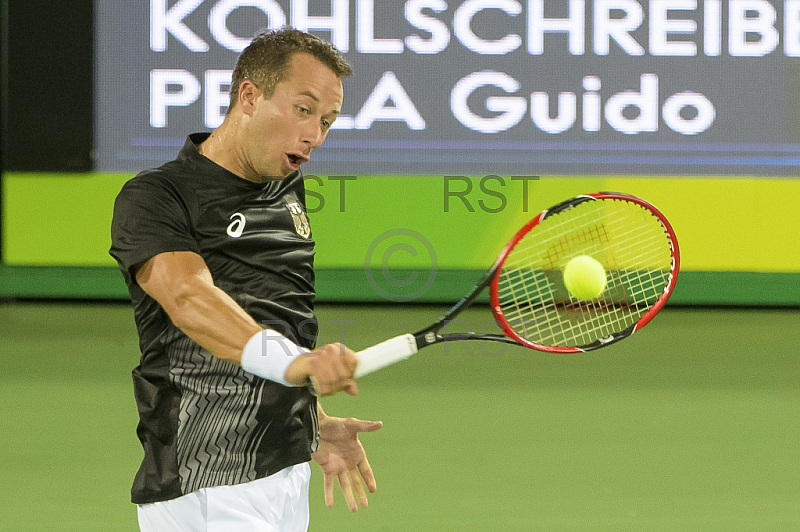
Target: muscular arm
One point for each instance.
(182, 284)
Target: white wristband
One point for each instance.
(268, 354)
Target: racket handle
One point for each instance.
(385, 354)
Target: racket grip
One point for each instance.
(385, 354)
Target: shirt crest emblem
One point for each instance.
(300, 221)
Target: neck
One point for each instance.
(221, 148)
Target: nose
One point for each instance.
(312, 135)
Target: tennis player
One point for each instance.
(217, 253)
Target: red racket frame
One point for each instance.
(641, 322)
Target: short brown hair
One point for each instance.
(265, 61)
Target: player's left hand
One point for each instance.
(341, 455)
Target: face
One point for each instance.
(279, 134)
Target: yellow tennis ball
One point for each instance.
(584, 277)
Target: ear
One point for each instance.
(248, 94)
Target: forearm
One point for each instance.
(183, 286)
(210, 317)
(185, 289)
(214, 320)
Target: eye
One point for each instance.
(302, 110)
(326, 124)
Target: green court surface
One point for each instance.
(691, 424)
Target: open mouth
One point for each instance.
(296, 159)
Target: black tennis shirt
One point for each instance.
(203, 421)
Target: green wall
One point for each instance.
(739, 237)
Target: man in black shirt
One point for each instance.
(218, 256)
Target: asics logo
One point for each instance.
(236, 227)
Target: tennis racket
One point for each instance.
(631, 239)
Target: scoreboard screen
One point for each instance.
(575, 87)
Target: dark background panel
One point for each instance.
(49, 76)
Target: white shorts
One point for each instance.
(278, 502)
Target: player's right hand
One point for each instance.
(330, 369)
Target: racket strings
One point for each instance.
(598, 318)
(603, 320)
(626, 238)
